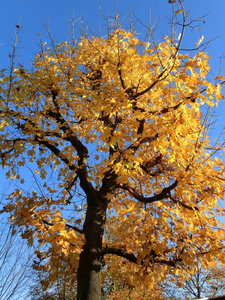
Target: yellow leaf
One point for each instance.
(199, 41)
(179, 11)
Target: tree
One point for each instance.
(199, 283)
(62, 289)
(115, 132)
(15, 263)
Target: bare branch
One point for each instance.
(12, 57)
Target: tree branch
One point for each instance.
(82, 150)
(165, 193)
(132, 258)
(143, 140)
(109, 183)
(67, 226)
(184, 204)
(56, 151)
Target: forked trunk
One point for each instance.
(90, 264)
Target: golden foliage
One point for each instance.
(116, 106)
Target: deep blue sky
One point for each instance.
(57, 13)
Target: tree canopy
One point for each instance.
(115, 132)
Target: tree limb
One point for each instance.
(165, 193)
(132, 258)
(184, 204)
(67, 226)
(82, 150)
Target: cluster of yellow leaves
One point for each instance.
(101, 90)
(42, 221)
(134, 290)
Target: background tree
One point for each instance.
(199, 283)
(113, 127)
(62, 289)
(15, 263)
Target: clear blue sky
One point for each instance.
(35, 14)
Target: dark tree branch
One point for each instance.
(142, 141)
(184, 204)
(165, 193)
(75, 228)
(120, 76)
(151, 164)
(132, 258)
(120, 252)
(167, 109)
(109, 183)
(40, 135)
(151, 86)
(56, 151)
(82, 150)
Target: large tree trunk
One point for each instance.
(90, 264)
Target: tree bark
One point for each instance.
(90, 263)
